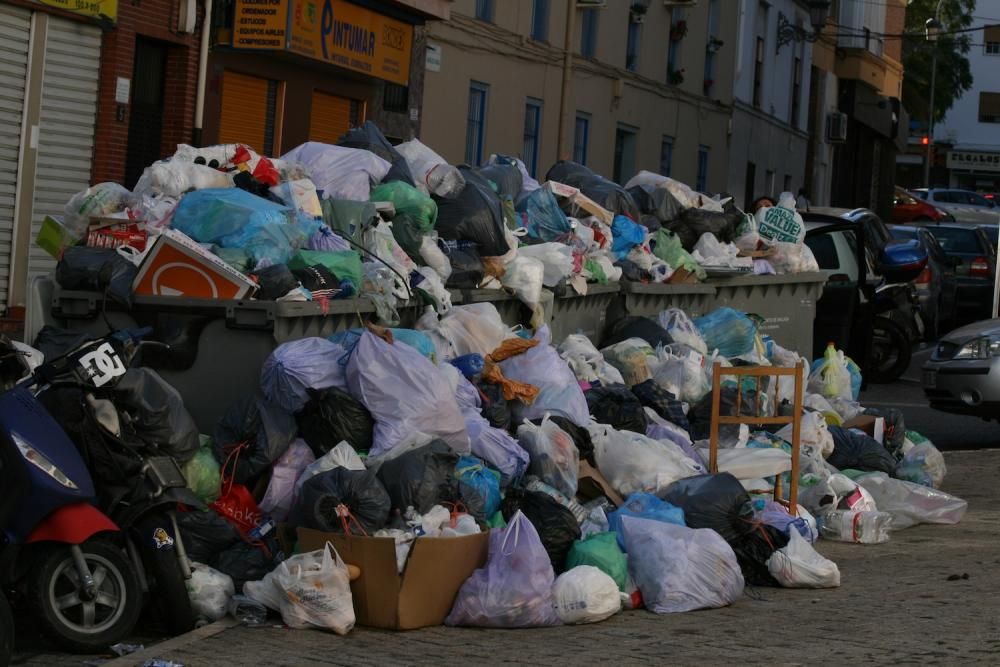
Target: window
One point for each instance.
(532, 132)
(793, 120)
(979, 200)
(957, 240)
(666, 155)
(769, 183)
(674, 42)
(749, 185)
(825, 251)
(992, 48)
(475, 130)
(581, 137)
(588, 33)
(395, 98)
(758, 72)
(991, 35)
(701, 184)
(540, 20)
(788, 184)
(625, 142)
(632, 45)
(484, 10)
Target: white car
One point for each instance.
(965, 206)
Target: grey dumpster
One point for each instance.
(587, 313)
(649, 300)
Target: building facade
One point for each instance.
(648, 85)
(771, 95)
(967, 140)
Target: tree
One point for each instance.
(954, 76)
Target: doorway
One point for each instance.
(625, 140)
(748, 186)
(145, 127)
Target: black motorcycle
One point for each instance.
(897, 326)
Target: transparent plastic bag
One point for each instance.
(560, 393)
(587, 362)
(97, 200)
(682, 329)
(815, 439)
(300, 195)
(209, 591)
(831, 378)
(799, 565)
(380, 242)
(554, 457)
(316, 591)
(910, 504)
(632, 462)
(585, 594)
(631, 358)
(431, 172)
(681, 376)
(923, 463)
(339, 172)
(525, 277)
(864, 527)
(557, 258)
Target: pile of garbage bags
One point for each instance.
(392, 223)
(586, 463)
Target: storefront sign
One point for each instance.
(98, 9)
(260, 24)
(974, 161)
(352, 37)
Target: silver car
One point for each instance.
(963, 373)
(965, 206)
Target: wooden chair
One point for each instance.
(795, 420)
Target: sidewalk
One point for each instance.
(896, 605)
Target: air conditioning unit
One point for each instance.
(836, 127)
(591, 4)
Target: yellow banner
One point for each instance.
(260, 24)
(98, 9)
(352, 37)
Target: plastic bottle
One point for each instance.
(247, 611)
(857, 527)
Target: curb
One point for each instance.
(163, 649)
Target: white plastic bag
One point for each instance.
(832, 378)
(316, 591)
(682, 329)
(679, 568)
(97, 200)
(340, 172)
(859, 527)
(684, 376)
(793, 258)
(473, 328)
(433, 285)
(585, 594)
(632, 462)
(910, 504)
(209, 591)
(751, 462)
(836, 492)
(543, 367)
(815, 438)
(173, 178)
(710, 251)
(524, 276)
(300, 195)
(431, 172)
(587, 362)
(799, 565)
(781, 223)
(434, 257)
(554, 456)
(556, 258)
(380, 242)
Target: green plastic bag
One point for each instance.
(420, 208)
(345, 264)
(602, 551)
(668, 248)
(596, 271)
(203, 474)
(349, 218)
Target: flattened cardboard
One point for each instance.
(870, 424)
(423, 595)
(592, 484)
(581, 200)
(177, 266)
(682, 276)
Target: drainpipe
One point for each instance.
(199, 104)
(565, 106)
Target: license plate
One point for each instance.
(930, 379)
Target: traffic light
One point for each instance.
(925, 140)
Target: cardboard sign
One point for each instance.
(177, 266)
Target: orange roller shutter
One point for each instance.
(244, 110)
(330, 117)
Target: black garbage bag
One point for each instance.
(206, 535)
(358, 490)
(657, 202)
(607, 193)
(330, 416)
(557, 527)
(54, 342)
(895, 429)
(275, 281)
(701, 414)
(580, 435)
(636, 327)
(369, 137)
(467, 268)
(494, 407)
(507, 178)
(632, 271)
(856, 450)
(475, 214)
(157, 413)
(615, 405)
(650, 222)
(662, 402)
(251, 436)
(421, 478)
(694, 222)
(716, 501)
(97, 270)
(245, 561)
(754, 549)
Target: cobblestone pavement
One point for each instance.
(896, 605)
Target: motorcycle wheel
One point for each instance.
(6, 631)
(75, 623)
(167, 586)
(891, 351)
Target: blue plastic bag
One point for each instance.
(727, 330)
(627, 235)
(542, 217)
(644, 506)
(418, 340)
(484, 483)
(471, 365)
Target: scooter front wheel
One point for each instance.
(80, 615)
(167, 586)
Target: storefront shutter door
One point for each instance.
(330, 117)
(244, 110)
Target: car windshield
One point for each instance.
(898, 233)
(991, 234)
(957, 240)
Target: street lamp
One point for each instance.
(931, 29)
(789, 32)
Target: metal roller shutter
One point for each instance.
(66, 125)
(245, 111)
(15, 27)
(331, 117)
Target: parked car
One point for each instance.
(964, 205)
(973, 255)
(963, 373)
(908, 208)
(937, 285)
(992, 232)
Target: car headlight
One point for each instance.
(37, 459)
(980, 348)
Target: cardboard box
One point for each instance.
(581, 200)
(682, 276)
(870, 424)
(114, 233)
(177, 266)
(592, 484)
(423, 595)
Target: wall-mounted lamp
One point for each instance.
(788, 32)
